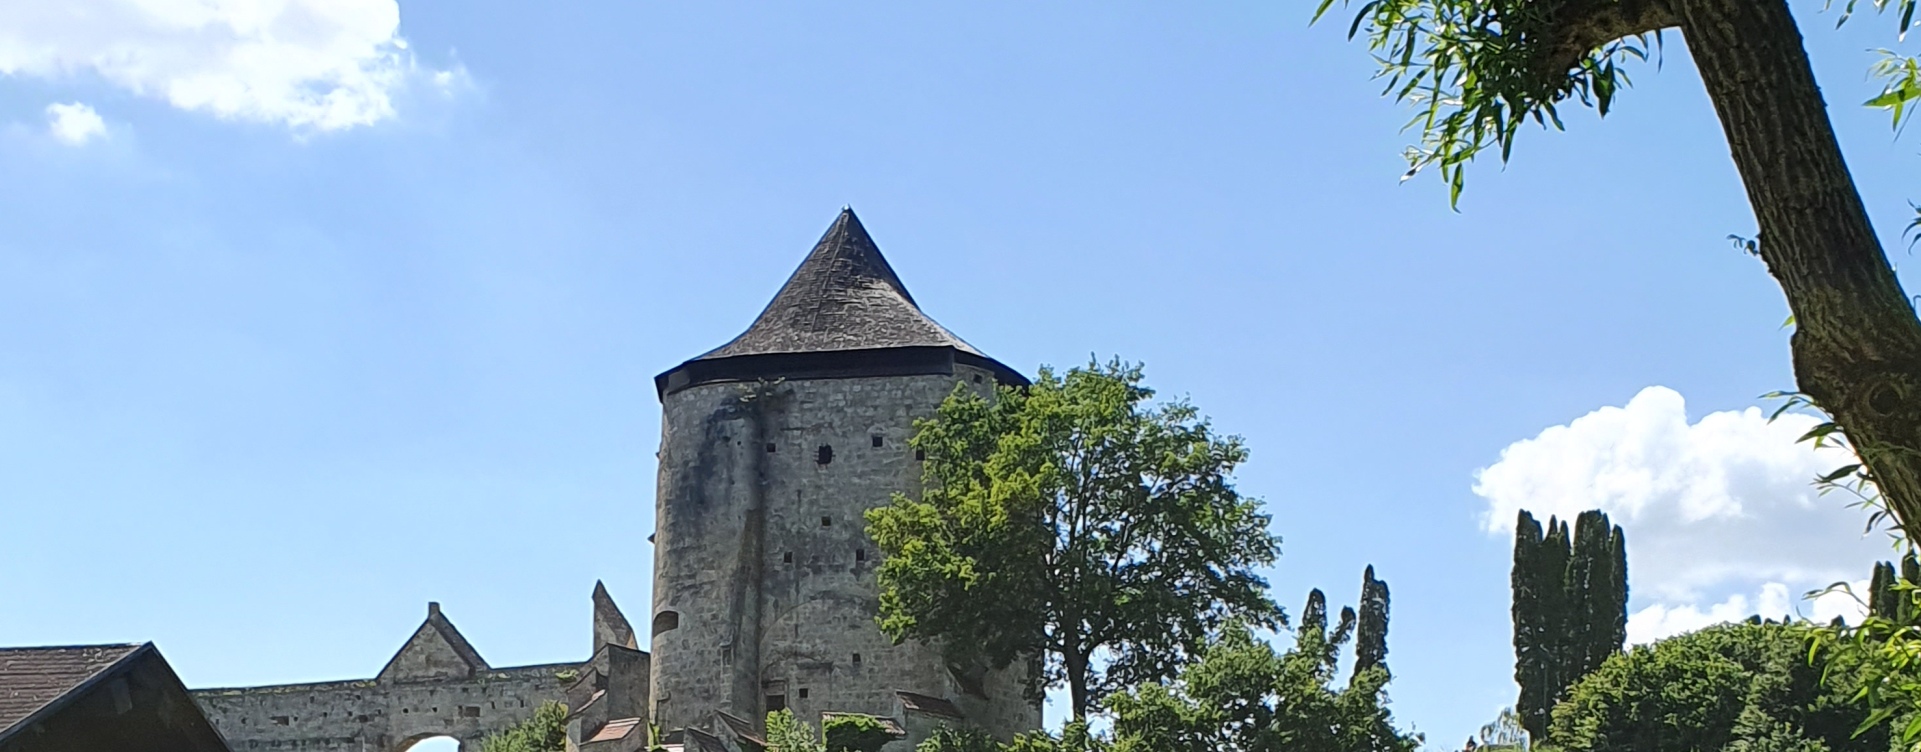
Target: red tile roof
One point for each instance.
(30, 678)
(615, 730)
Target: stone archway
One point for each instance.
(433, 742)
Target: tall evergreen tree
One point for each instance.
(1531, 656)
(1570, 607)
(1370, 637)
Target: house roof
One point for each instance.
(33, 679)
(920, 703)
(615, 730)
(843, 299)
(887, 724)
(844, 296)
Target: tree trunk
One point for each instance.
(1857, 343)
(1076, 666)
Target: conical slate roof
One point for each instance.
(844, 299)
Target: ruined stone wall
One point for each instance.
(764, 590)
(380, 716)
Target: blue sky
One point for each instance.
(301, 328)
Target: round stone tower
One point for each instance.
(772, 448)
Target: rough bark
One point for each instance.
(1857, 343)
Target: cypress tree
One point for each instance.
(1881, 593)
(1531, 658)
(1570, 607)
(1370, 641)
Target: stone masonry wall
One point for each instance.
(378, 716)
(763, 570)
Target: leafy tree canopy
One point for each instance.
(546, 731)
(1243, 696)
(1077, 524)
(1747, 687)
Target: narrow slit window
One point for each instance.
(860, 554)
(920, 455)
(825, 454)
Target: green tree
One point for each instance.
(1242, 696)
(1479, 70)
(545, 731)
(1074, 524)
(1370, 641)
(1748, 687)
(1570, 607)
(839, 733)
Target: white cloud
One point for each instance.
(306, 64)
(74, 123)
(1721, 511)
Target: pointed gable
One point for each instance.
(843, 312)
(436, 651)
(610, 625)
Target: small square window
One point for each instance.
(825, 454)
(920, 455)
(803, 693)
(826, 522)
(860, 554)
(877, 440)
(770, 447)
(787, 558)
(977, 378)
(856, 659)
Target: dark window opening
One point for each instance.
(860, 554)
(856, 659)
(470, 711)
(920, 455)
(825, 455)
(877, 440)
(977, 378)
(826, 522)
(770, 447)
(787, 558)
(776, 703)
(666, 621)
(803, 693)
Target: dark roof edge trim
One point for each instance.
(830, 364)
(54, 705)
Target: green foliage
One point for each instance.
(854, 733)
(1750, 687)
(546, 731)
(1569, 608)
(1475, 72)
(1242, 696)
(1370, 642)
(785, 733)
(1074, 738)
(1074, 523)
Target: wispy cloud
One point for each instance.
(311, 65)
